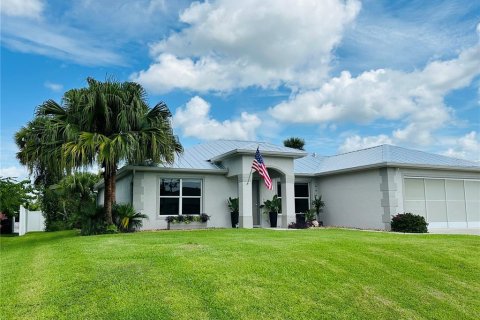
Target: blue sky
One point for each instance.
(343, 75)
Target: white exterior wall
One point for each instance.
(124, 190)
(215, 191)
(100, 196)
(352, 199)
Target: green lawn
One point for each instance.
(240, 274)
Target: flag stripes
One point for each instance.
(260, 167)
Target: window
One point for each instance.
(180, 196)
(302, 197)
(279, 195)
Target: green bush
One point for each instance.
(126, 218)
(409, 222)
(310, 215)
(59, 225)
(93, 222)
(111, 228)
(188, 218)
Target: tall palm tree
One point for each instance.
(294, 142)
(105, 123)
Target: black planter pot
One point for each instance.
(234, 216)
(300, 218)
(273, 219)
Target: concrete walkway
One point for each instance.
(472, 231)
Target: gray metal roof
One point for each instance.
(383, 154)
(198, 157)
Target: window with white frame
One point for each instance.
(279, 194)
(302, 197)
(180, 196)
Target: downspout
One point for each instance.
(132, 184)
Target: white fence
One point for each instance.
(30, 221)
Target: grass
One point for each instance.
(240, 274)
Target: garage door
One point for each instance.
(445, 203)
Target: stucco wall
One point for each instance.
(352, 199)
(368, 199)
(124, 189)
(100, 196)
(215, 191)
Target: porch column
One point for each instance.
(288, 200)
(245, 201)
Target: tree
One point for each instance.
(104, 123)
(42, 162)
(14, 194)
(77, 196)
(294, 142)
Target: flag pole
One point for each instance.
(251, 168)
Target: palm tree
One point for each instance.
(294, 142)
(128, 220)
(78, 191)
(105, 123)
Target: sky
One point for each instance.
(341, 74)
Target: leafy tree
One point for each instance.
(14, 194)
(42, 161)
(77, 196)
(294, 142)
(106, 123)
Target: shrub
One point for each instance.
(204, 217)
(111, 228)
(310, 215)
(299, 225)
(93, 222)
(409, 222)
(170, 219)
(59, 225)
(126, 218)
(188, 218)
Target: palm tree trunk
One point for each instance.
(109, 195)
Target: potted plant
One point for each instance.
(272, 207)
(233, 205)
(187, 221)
(318, 204)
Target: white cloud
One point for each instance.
(13, 172)
(415, 98)
(236, 44)
(53, 86)
(53, 41)
(357, 142)
(194, 121)
(465, 147)
(22, 8)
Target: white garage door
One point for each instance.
(445, 203)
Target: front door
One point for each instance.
(255, 203)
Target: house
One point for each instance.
(362, 189)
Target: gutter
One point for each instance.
(294, 155)
(125, 170)
(398, 165)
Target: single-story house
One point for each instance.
(361, 189)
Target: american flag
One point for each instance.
(259, 166)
